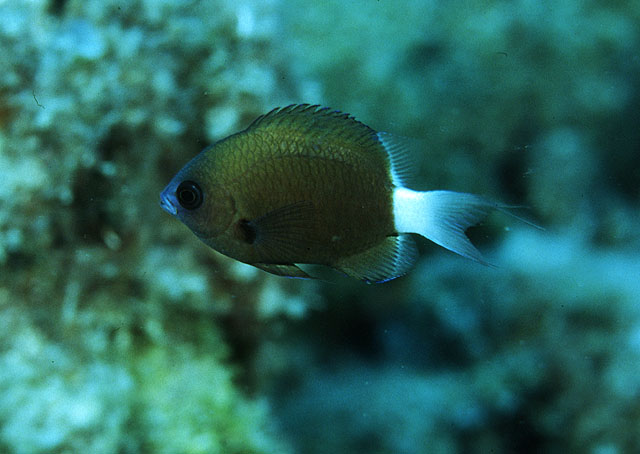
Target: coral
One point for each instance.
(51, 400)
(187, 403)
(117, 338)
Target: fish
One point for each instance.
(306, 184)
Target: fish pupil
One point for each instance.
(246, 231)
(189, 195)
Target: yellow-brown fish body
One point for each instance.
(308, 185)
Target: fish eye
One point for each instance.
(189, 195)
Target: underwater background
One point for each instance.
(121, 333)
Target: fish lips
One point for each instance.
(168, 200)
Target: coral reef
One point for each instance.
(116, 337)
(121, 333)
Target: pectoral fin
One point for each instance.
(282, 234)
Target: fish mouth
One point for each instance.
(166, 203)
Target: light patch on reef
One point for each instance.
(20, 176)
(246, 21)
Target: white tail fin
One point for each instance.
(442, 217)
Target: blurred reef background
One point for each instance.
(120, 333)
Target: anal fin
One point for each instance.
(389, 259)
(287, 270)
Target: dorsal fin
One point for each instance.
(398, 148)
(316, 121)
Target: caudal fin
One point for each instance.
(442, 217)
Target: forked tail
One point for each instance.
(442, 217)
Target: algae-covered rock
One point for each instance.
(116, 336)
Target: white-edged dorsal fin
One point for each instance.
(398, 150)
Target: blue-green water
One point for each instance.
(121, 333)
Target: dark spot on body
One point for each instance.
(246, 231)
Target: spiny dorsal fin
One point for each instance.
(316, 121)
(398, 148)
